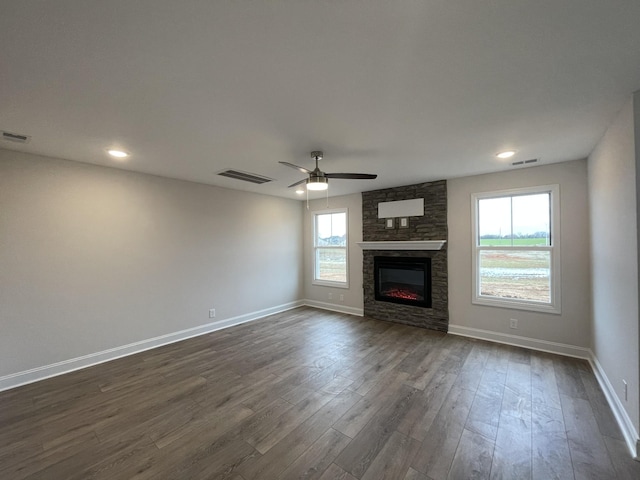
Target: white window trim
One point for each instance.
(328, 283)
(556, 284)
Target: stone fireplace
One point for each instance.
(411, 249)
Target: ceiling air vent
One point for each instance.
(524, 162)
(244, 176)
(15, 137)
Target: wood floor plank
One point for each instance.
(361, 452)
(551, 458)
(425, 406)
(353, 421)
(270, 433)
(589, 454)
(415, 475)
(473, 457)
(544, 387)
(603, 414)
(315, 394)
(484, 415)
(626, 467)
(317, 458)
(473, 367)
(394, 459)
(213, 422)
(334, 472)
(285, 452)
(569, 379)
(105, 461)
(512, 453)
(435, 455)
(40, 460)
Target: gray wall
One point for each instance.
(572, 327)
(92, 258)
(614, 255)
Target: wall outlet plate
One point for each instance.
(212, 313)
(513, 323)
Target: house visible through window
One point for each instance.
(330, 248)
(516, 249)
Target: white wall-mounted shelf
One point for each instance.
(406, 245)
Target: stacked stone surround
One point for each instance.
(431, 226)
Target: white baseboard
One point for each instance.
(335, 307)
(629, 431)
(518, 341)
(40, 373)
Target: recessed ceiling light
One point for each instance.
(299, 191)
(506, 154)
(117, 153)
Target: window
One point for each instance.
(330, 248)
(516, 249)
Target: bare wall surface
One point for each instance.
(614, 257)
(93, 258)
(572, 327)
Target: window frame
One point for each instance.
(315, 247)
(554, 306)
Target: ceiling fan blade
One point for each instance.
(352, 176)
(300, 169)
(297, 183)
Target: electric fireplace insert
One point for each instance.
(405, 280)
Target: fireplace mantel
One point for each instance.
(403, 245)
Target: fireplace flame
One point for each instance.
(402, 293)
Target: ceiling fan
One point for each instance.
(319, 180)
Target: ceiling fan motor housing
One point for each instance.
(317, 182)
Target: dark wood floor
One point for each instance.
(311, 394)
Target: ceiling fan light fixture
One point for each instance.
(317, 183)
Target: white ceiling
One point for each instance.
(413, 90)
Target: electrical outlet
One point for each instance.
(513, 323)
(330, 296)
(212, 313)
(341, 297)
(624, 382)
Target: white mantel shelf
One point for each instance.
(407, 245)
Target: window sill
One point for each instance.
(326, 283)
(515, 305)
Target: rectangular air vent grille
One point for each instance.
(524, 162)
(15, 137)
(244, 176)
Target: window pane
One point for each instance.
(494, 221)
(331, 229)
(520, 275)
(531, 219)
(339, 229)
(331, 264)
